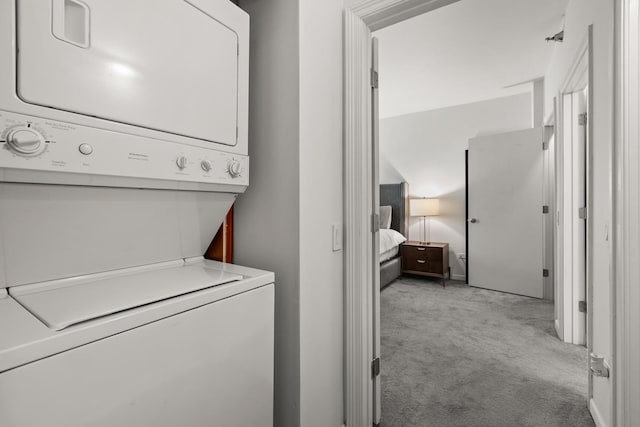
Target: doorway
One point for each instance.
(364, 124)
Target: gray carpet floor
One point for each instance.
(462, 356)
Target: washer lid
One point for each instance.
(67, 302)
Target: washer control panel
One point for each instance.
(37, 144)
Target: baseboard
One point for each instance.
(595, 413)
(556, 324)
(458, 277)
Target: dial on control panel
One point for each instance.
(25, 141)
(181, 162)
(205, 165)
(234, 169)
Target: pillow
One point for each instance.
(385, 216)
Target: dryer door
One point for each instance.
(164, 65)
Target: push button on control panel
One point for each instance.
(85, 149)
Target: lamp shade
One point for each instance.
(424, 207)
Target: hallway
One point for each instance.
(462, 356)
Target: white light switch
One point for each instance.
(336, 231)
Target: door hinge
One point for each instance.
(582, 119)
(582, 306)
(374, 79)
(598, 366)
(582, 213)
(375, 222)
(547, 133)
(375, 367)
(545, 272)
(545, 209)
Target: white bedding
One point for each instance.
(386, 256)
(390, 241)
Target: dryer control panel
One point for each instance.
(36, 144)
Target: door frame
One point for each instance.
(359, 147)
(625, 205)
(625, 158)
(358, 214)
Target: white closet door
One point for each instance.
(505, 212)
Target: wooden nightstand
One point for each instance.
(426, 259)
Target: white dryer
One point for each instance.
(123, 143)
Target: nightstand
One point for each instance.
(426, 259)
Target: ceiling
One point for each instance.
(469, 51)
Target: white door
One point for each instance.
(570, 319)
(578, 223)
(377, 393)
(572, 198)
(505, 212)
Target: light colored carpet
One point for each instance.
(462, 356)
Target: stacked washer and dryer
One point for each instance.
(123, 143)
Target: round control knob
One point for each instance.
(181, 162)
(26, 141)
(205, 165)
(234, 169)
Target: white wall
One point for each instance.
(284, 220)
(267, 231)
(426, 149)
(580, 14)
(321, 280)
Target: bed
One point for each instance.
(397, 197)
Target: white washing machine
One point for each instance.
(123, 143)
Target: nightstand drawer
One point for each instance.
(421, 253)
(423, 265)
(415, 264)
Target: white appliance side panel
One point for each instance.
(209, 366)
(51, 232)
(172, 68)
(198, 219)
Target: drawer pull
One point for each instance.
(421, 261)
(421, 249)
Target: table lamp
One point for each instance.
(426, 208)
